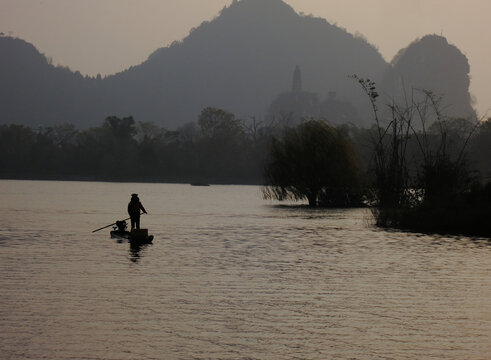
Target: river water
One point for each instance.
(229, 276)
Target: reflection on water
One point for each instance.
(229, 276)
(135, 250)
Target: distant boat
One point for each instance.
(199, 184)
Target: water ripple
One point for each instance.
(230, 277)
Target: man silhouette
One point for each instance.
(134, 208)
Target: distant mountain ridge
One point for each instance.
(431, 63)
(240, 62)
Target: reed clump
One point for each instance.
(420, 176)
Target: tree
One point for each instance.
(121, 129)
(311, 161)
(220, 152)
(117, 144)
(219, 124)
(16, 150)
(481, 150)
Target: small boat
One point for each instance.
(199, 184)
(135, 236)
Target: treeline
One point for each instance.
(218, 148)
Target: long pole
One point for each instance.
(109, 225)
(113, 224)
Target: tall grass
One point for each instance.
(421, 180)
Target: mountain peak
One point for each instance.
(258, 12)
(432, 63)
(260, 5)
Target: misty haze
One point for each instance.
(267, 187)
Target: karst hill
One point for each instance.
(240, 61)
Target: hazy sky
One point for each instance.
(107, 36)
